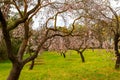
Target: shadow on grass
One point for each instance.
(5, 61)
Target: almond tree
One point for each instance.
(115, 28)
(77, 41)
(25, 14)
(103, 11)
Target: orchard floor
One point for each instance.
(99, 65)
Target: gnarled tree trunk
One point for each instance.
(116, 48)
(15, 71)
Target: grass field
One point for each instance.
(99, 65)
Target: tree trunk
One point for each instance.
(15, 71)
(64, 55)
(81, 54)
(117, 65)
(82, 57)
(32, 64)
(92, 49)
(116, 48)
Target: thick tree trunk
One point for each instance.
(116, 48)
(15, 71)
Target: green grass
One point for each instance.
(99, 65)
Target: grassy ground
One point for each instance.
(99, 65)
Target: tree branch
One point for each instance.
(34, 9)
(17, 8)
(7, 38)
(23, 19)
(56, 17)
(25, 7)
(24, 42)
(17, 22)
(41, 44)
(117, 19)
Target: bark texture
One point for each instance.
(15, 71)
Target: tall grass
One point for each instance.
(99, 65)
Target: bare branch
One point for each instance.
(6, 1)
(17, 8)
(23, 19)
(56, 17)
(25, 7)
(34, 9)
(46, 24)
(73, 24)
(105, 16)
(117, 18)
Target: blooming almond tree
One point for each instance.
(26, 10)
